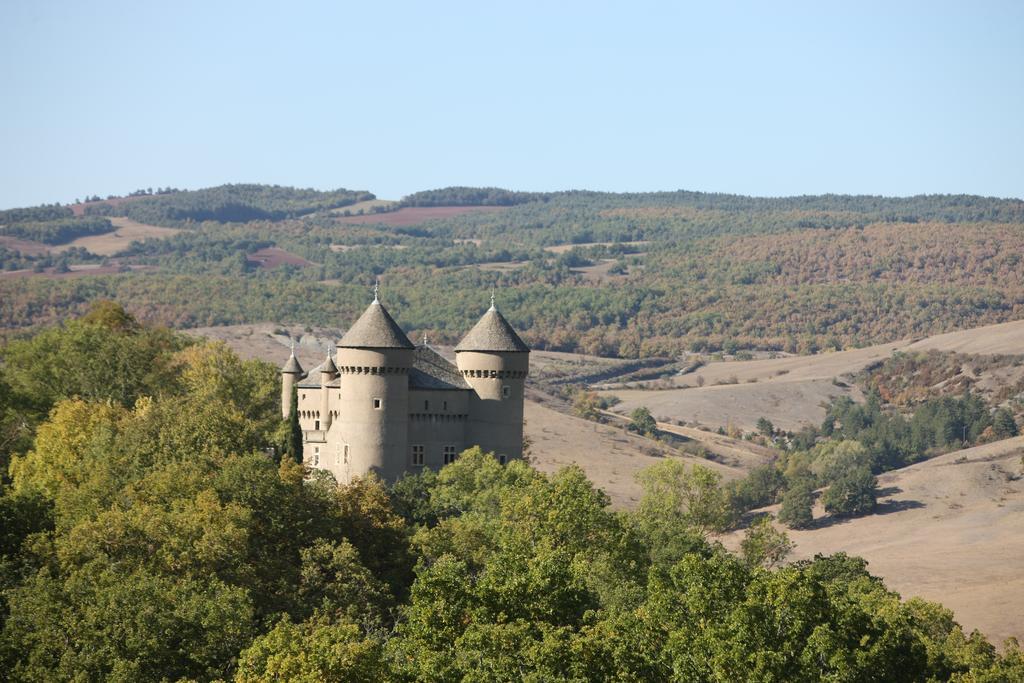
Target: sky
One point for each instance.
(756, 98)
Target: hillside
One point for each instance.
(629, 275)
(947, 529)
(791, 391)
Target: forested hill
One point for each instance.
(944, 207)
(228, 204)
(631, 274)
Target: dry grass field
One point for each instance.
(125, 232)
(563, 248)
(414, 215)
(271, 257)
(27, 247)
(366, 207)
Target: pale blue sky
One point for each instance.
(766, 98)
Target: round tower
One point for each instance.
(328, 372)
(495, 362)
(290, 374)
(374, 359)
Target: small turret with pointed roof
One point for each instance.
(492, 333)
(328, 367)
(290, 374)
(291, 366)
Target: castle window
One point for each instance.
(316, 424)
(316, 456)
(345, 454)
(426, 406)
(417, 455)
(377, 403)
(506, 391)
(446, 405)
(501, 459)
(449, 454)
(303, 397)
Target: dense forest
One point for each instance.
(148, 532)
(631, 275)
(58, 231)
(228, 204)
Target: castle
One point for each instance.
(387, 406)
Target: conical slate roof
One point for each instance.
(375, 329)
(492, 333)
(292, 367)
(329, 366)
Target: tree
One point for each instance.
(313, 652)
(588, 405)
(642, 422)
(852, 494)
(690, 496)
(1003, 424)
(763, 545)
(833, 459)
(293, 448)
(765, 426)
(797, 504)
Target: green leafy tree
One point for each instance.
(642, 422)
(316, 651)
(763, 545)
(797, 504)
(765, 427)
(852, 494)
(690, 496)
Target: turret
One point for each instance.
(290, 374)
(495, 362)
(374, 359)
(328, 373)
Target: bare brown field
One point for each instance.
(599, 271)
(125, 232)
(342, 248)
(366, 207)
(788, 404)
(563, 248)
(500, 266)
(27, 247)
(414, 215)
(272, 257)
(991, 339)
(950, 529)
(610, 456)
(76, 271)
